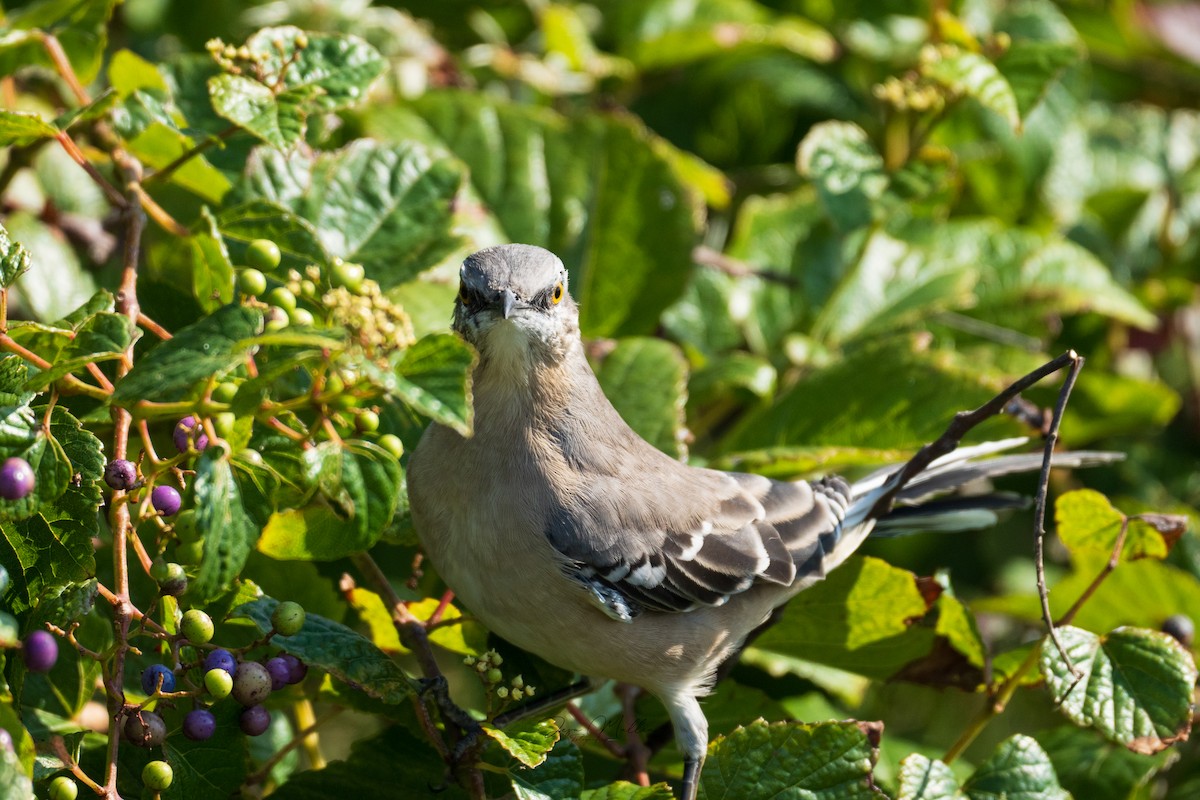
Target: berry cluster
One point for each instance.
(488, 668)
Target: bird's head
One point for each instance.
(513, 305)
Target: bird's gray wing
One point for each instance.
(695, 540)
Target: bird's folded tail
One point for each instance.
(939, 498)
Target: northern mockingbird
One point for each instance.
(570, 536)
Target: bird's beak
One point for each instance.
(507, 301)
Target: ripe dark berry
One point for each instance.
(196, 626)
(254, 721)
(1181, 628)
(251, 282)
(63, 788)
(188, 431)
(278, 669)
(145, 729)
(219, 683)
(120, 474)
(157, 775)
(297, 669)
(251, 683)
(288, 618)
(16, 479)
(155, 672)
(166, 500)
(220, 659)
(40, 651)
(263, 254)
(199, 725)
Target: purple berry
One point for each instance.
(166, 500)
(220, 659)
(199, 725)
(251, 683)
(145, 729)
(185, 430)
(16, 479)
(254, 721)
(297, 669)
(40, 651)
(278, 669)
(150, 678)
(120, 474)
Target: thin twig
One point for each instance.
(595, 732)
(1039, 529)
(263, 772)
(188, 155)
(153, 327)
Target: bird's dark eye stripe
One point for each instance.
(468, 296)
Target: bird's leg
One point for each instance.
(691, 778)
(543, 704)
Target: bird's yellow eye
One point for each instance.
(559, 291)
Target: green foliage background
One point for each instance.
(802, 235)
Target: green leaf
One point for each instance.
(412, 767)
(276, 119)
(629, 791)
(847, 169)
(79, 25)
(560, 775)
(529, 742)
(1136, 685)
(387, 207)
(15, 782)
(858, 619)
(841, 404)
(1018, 770)
(1031, 67)
(14, 259)
(22, 436)
(593, 189)
(210, 347)
(101, 337)
(211, 768)
(332, 71)
(433, 376)
(59, 282)
(331, 646)
(922, 778)
(198, 264)
(221, 519)
(20, 128)
(972, 75)
(765, 760)
(359, 487)
(646, 380)
(1089, 766)
(1087, 522)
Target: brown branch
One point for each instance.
(110, 192)
(1039, 530)
(153, 327)
(595, 732)
(188, 155)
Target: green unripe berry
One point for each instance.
(196, 627)
(334, 383)
(190, 552)
(308, 289)
(157, 775)
(63, 788)
(10, 630)
(225, 391)
(282, 297)
(343, 401)
(263, 254)
(300, 316)
(391, 443)
(251, 282)
(158, 570)
(288, 618)
(276, 319)
(219, 683)
(223, 423)
(367, 421)
(347, 275)
(185, 529)
(494, 675)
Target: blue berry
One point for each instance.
(166, 500)
(120, 474)
(199, 725)
(279, 671)
(297, 669)
(254, 721)
(40, 651)
(150, 678)
(220, 659)
(188, 431)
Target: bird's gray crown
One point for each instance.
(524, 269)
